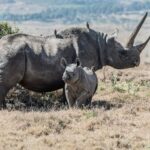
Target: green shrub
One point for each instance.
(5, 29)
(124, 86)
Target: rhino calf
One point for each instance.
(80, 83)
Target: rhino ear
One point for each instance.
(78, 62)
(63, 62)
(111, 40)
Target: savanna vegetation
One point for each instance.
(5, 29)
(118, 118)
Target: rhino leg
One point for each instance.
(82, 100)
(3, 91)
(88, 102)
(81, 103)
(70, 99)
(64, 100)
(11, 73)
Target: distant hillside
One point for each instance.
(67, 11)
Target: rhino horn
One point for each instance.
(140, 47)
(135, 32)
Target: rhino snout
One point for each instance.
(136, 63)
(65, 77)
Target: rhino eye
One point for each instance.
(124, 53)
(136, 60)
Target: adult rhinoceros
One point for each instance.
(34, 62)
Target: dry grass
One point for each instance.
(119, 119)
(119, 128)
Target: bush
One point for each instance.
(5, 29)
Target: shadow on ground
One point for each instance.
(105, 104)
(21, 99)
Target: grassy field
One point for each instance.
(118, 119)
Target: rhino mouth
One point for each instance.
(136, 63)
(66, 78)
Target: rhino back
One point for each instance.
(43, 67)
(92, 80)
(87, 45)
(42, 59)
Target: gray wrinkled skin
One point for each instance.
(80, 85)
(105, 51)
(34, 62)
(112, 53)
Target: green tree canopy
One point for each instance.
(5, 29)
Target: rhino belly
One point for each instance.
(43, 78)
(43, 72)
(44, 83)
(42, 86)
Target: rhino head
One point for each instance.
(72, 71)
(112, 53)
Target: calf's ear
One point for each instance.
(78, 62)
(63, 62)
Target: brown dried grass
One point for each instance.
(119, 119)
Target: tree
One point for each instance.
(5, 29)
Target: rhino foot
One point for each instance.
(3, 92)
(2, 105)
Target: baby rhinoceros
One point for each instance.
(80, 84)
